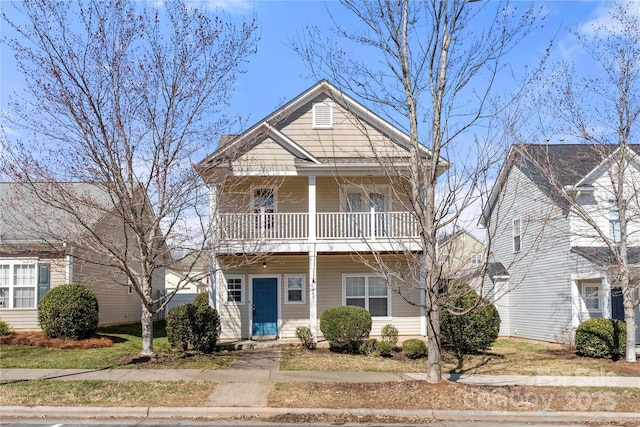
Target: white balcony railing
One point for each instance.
(329, 226)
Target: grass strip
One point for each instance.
(104, 393)
(452, 396)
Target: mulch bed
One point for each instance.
(39, 339)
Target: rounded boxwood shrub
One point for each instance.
(345, 327)
(602, 338)
(68, 311)
(194, 326)
(414, 348)
(473, 331)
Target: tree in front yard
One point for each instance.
(122, 94)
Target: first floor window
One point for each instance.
(18, 284)
(368, 292)
(295, 288)
(235, 289)
(591, 296)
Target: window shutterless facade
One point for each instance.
(294, 288)
(369, 292)
(235, 289)
(517, 237)
(591, 296)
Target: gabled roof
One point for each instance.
(448, 238)
(26, 219)
(565, 164)
(239, 144)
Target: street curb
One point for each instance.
(230, 412)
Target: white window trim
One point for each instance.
(389, 315)
(243, 290)
(514, 235)
(315, 124)
(286, 289)
(583, 295)
(476, 258)
(21, 261)
(384, 189)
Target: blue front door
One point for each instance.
(265, 306)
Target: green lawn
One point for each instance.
(127, 343)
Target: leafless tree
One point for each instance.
(599, 106)
(126, 96)
(435, 74)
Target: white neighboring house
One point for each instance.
(553, 267)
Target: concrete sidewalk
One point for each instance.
(243, 389)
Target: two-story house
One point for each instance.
(555, 271)
(462, 256)
(300, 204)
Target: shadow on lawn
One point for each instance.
(481, 359)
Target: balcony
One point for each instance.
(329, 226)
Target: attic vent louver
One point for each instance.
(322, 116)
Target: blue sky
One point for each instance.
(276, 73)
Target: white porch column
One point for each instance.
(212, 242)
(312, 209)
(606, 297)
(313, 293)
(68, 267)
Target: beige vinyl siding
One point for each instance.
(265, 158)
(28, 318)
(236, 320)
(349, 136)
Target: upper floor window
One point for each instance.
(19, 283)
(614, 221)
(369, 292)
(476, 259)
(517, 236)
(322, 116)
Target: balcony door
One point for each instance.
(264, 202)
(359, 203)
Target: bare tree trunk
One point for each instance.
(147, 331)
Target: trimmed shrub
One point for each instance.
(194, 326)
(306, 337)
(390, 335)
(602, 338)
(345, 327)
(385, 348)
(414, 348)
(201, 300)
(5, 329)
(179, 326)
(68, 311)
(473, 331)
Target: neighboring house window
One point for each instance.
(368, 292)
(476, 259)
(516, 235)
(18, 284)
(614, 221)
(322, 116)
(235, 289)
(591, 296)
(294, 292)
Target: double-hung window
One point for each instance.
(295, 289)
(517, 236)
(591, 296)
(19, 284)
(369, 292)
(235, 289)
